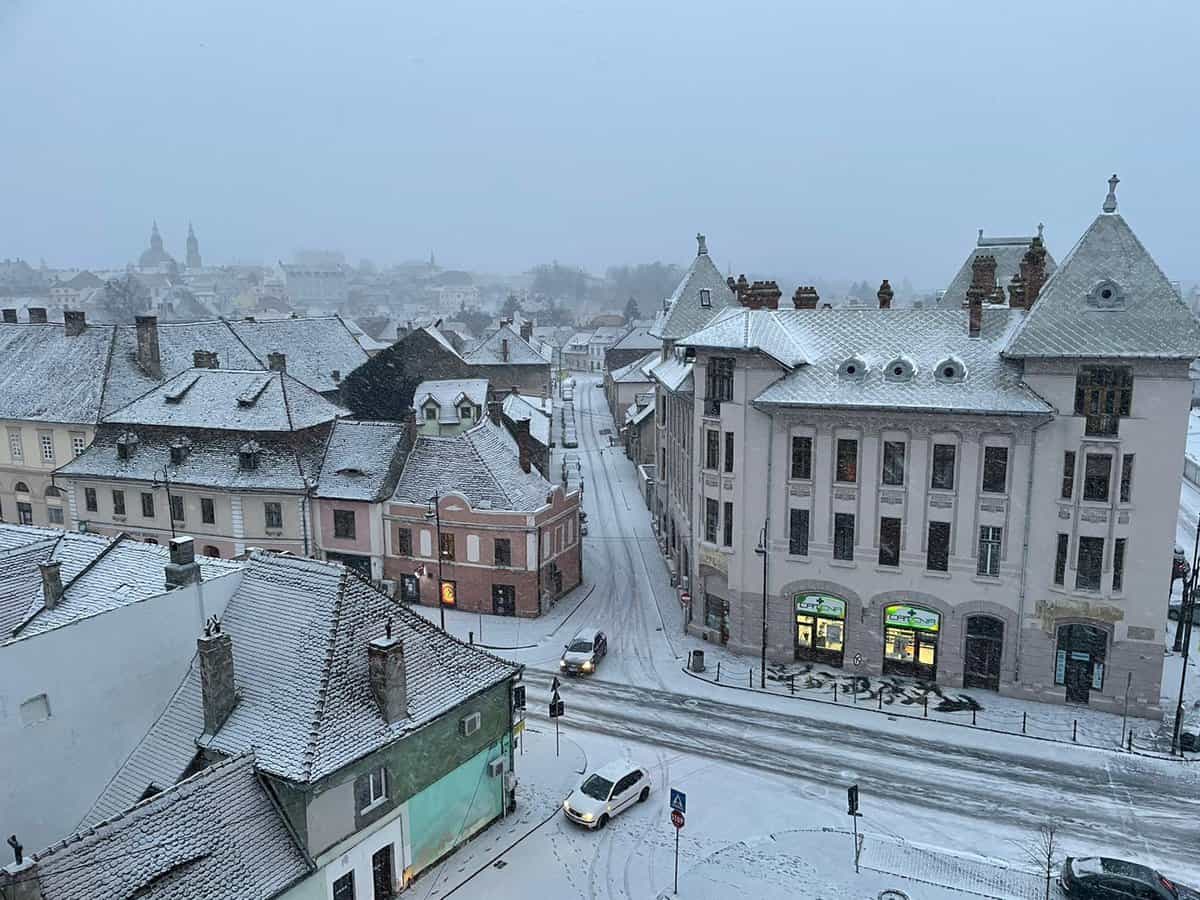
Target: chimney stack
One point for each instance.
(410, 428)
(147, 345)
(1016, 292)
(1033, 269)
(277, 362)
(74, 322)
(52, 586)
(496, 411)
(527, 330)
(760, 295)
(521, 426)
(10, 316)
(217, 691)
(37, 315)
(183, 568)
(389, 681)
(19, 880)
(504, 349)
(885, 295)
(983, 276)
(806, 297)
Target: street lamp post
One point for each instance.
(435, 512)
(1187, 610)
(761, 550)
(167, 485)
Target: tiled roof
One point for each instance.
(50, 377)
(684, 314)
(229, 400)
(538, 411)
(739, 328)
(482, 464)
(315, 347)
(300, 630)
(98, 573)
(1144, 317)
(635, 372)
(362, 460)
(674, 373)
(637, 338)
(490, 350)
(447, 394)
(216, 836)
(928, 338)
(1007, 251)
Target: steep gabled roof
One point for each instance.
(315, 347)
(1007, 251)
(490, 350)
(1141, 315)
(447, 393)
(769, 331)
(638, 337)
(635, 371)
(362, 460)
(684, 314)
(49, 376)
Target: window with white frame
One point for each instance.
(78, 443)
(15, 450)
(46, 442)
(377, 786)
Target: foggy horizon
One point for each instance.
(863, 142)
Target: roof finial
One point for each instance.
(980, 240)
(1110, 202)
(701, 247)
(1041, 228)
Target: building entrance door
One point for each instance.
(1079, 662)
(820, 628)
(984, 650)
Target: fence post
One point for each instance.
(1024, 718)
(925, 704)
(718, 671)
(835, 692)
(752, 676)
(972, 715)
(792, 682)
(881, 697)
(1075, 731)
(471, 637)
(1130, 740)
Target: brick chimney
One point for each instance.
(740, 287)
(147, 345)
(983, 275)
(52, 586)
(504, 349)
(10, 316)
(1016, 292)
(761, 295)
(217, 691)
(74, 322)
(885, 295)
(496, 411)
(205, 359)
(410, 428)
(277, 362)
(19, 880)
(1033, 269)
(389, 680)
(732, 284)
(521, 427)
(37, 315)
(183, 568)
(527, 330)
(806, 297)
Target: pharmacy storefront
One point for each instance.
(820, 628)
(910, 641)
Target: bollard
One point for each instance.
(792, 683)
(1024, 719)
(1130, 740)
(925, 703)
(881, 698)
(1075, 731)
(972, 715)
(718, 671)
(752, 676)
(835, 692)
(471, 636)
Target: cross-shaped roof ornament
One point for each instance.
(1110, 202)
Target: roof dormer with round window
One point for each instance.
(950, 370)
(853, 369)
(900, 369)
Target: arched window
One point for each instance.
(21, 487)
(213, 552)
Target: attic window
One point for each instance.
(248, 456)
(689, 353)
(705, 297)
(179, 451)
(1106, 295)
(900, 369)
(431, 412)
(126, 445)
(950, 370)
(854, 369)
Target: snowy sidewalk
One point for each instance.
(510, 633)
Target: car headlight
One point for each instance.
(587, 666)
(562, 663)
(587, 817)
(566, 804)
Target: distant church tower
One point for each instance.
(155, 256)
(193, 249)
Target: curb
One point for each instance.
(549, 634)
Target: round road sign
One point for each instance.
(858, 660)
(676, 818)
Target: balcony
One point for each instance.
(1102, 424)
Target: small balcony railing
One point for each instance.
(1102, 424)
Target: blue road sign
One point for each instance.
(678, 800)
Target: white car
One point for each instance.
(606, 792)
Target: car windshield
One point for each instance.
(596, 787)
(579, 647)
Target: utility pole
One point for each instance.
(761, 549)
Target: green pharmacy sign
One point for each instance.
(820, 605)
(904, 616)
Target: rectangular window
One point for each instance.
(404, 542)
(942, 478)
(711, 512)
(937, 554)
(802, 457)
(377, 786)
(889, 541)
(54, 514)
(847, 460)
(712, 448)
(24, 513)
(343, 524)
(1091, 557)
(15, 450)
(989, 551)
(893, 462)
(1060, 560)
(118, 498)
(995, 470)
(147, 505)
(718, 375)
(1097, 472)
(798, 532)
(176, 508)
(1104, 395)
(1118, 565)
(47, 444)
(1126, 477)
(208, 515)
(273, 514)
(89, 499)
(727, 526)
(843, 536)
(446, 545)
(1068, 475)
(343, 887)
(729, 451)
(503, 552)
(78, 443)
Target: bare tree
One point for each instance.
(1042, 850)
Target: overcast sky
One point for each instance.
(842, 139)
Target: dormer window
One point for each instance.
(853, 369)
(248, 456)
(950, 370)
(126, 445)
(705, 297)
(1106, 295)
(900, 369)
(431, 413)
(179, 451)
(464, 413)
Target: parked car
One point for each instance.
(607, 792)
(1102, 878)
(584, 651)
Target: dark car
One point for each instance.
(584, 652)
(1101, 878)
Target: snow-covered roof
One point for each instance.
(637, 338)
(482, 464)
(490, 350)
(362, 460)
(539, 411)
(674, 373)
(1109, 298)
(217, 835)
(49, 376)
(770, 331)
(634, 372)
(300, 630)
(315, 347)
(448, 395)
(1007, 251)
(684, 313)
